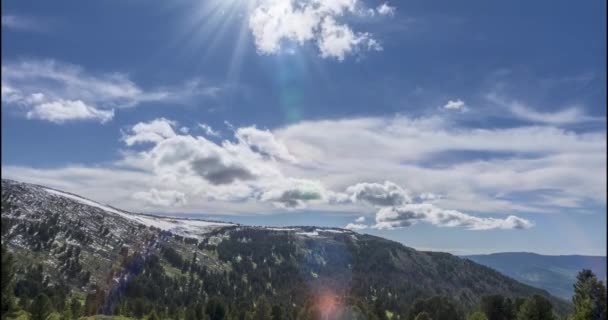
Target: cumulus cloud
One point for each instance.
(161, 198)
(457, 104)
(385, 194)
(264, 142)
(154, 131)
(247, 172)
(356, 226)
(384, 10)
(60, 111)
(359, 224)
(61, 92)
(294, 193)
(409, 214)
(230, 170)
(217, 170)
(274, 22)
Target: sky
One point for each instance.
(466, 127)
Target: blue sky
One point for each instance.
(464, 127)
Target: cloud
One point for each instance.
(294, 193)
(60, 111)
(569, 115)
(154, 131)
(359, 224)
(409, 214)
(458, 105)
(386, 194)
(356, 226)
(275, 22)
(337, 40)
(161, 198)
(405, 150)
(368, 165)
(428, 196)
(21, 23)
(228, 170)
(209, 131)
(217, 171)
(385, 10)
(39, 88)
(264, 142)
(565, 116)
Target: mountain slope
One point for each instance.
(556, 274)
(88, 246)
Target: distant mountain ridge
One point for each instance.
(554, 273)
(85, 245)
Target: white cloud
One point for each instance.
(384, 10)
(455, 105)
(386, 194)
(293, 193)
(21, 23)
(336, 40)
(208, 130)
(409, 214)
(565, 116)
(428, 196)
(154, 131)
(356, 226)
(246, 172)
(60, 111)
(264, 142)
(39, 87)
(404, 150)
(161, 198)
(274, 22)
(360, 219)
(569, 115)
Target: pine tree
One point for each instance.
(477, 315)
(153, 316)
(277, 313)
(536, 308)
(41, 308)
(263, 310)
(75, 308)
(8, 274)
(496, 307)
(589, 297)
(423, 316)
(215, 309)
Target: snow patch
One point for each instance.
(309, 234)
(184, 227)
(82, 200)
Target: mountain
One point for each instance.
(116, 260)
(556, 274)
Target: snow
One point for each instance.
(330, 230)
(184, 227)
(281, 229)
(82, 200)
(310, 234)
